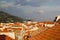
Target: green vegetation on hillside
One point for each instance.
(5, 17)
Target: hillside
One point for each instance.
(5, 17)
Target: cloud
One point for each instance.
(35, 9)
(41, 11)
(28, 9)
(35, 3)
(5, 4)
(28, 0)
(50, 8)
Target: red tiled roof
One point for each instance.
(47, 22)
(50, 34)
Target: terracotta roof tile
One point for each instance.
(50, 34)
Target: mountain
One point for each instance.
(5, 18)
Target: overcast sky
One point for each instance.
(40, 10)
